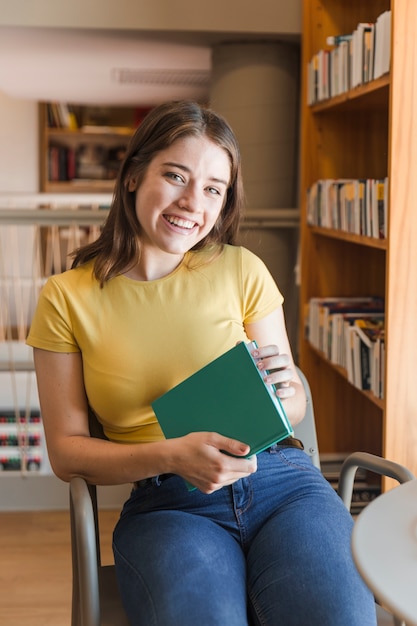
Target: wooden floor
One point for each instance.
(35, 571)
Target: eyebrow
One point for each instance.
(184, 168)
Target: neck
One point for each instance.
(149, 268)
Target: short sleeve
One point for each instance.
(260, 292)
(51, 325)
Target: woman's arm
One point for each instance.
(275, 352)
(72, 452)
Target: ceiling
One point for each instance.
(93, 67)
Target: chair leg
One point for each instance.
(86, 602)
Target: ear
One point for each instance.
(132, 182)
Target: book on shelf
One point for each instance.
(339, 69)
(339, 324)
(382, 44)
(356, 355)
(360, 60)
(367, 336)
(227, 396)
(61, 115)
(368, 54)
(352, 60)
(364, 489)
(357, 206)
(88, 161)
(322, 329)
(350, 334)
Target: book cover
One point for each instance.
(227, 396)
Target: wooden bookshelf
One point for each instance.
(369, 132)
(94, 147)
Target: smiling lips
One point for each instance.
(178, 221)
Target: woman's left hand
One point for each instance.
(276, 369)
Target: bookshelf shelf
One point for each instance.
(378, 402)
(372, 95)
(380, 244)
(83, 156)
(80, 186)
(97, 131)
(365, 133)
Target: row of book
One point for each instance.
(354, 206)
(87, 161)
(61, 115)
(350, 332)
(351, 60)
(365, 489)
(21, 441)
(94, 119)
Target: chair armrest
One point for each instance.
(370, 462)
(84, 555)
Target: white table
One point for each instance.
(384, 545)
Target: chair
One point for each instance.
(95, 596)
(306, 429)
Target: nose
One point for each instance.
(190, 199)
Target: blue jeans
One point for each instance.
(272, 549)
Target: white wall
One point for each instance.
(18, 145)
(236, 16)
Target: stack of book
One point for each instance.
(366, 354)
(354, 206)
(61, 115)
(364, 490)
(351, 60)
(88, 161)
(350, 332)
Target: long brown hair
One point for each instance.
(118, 246)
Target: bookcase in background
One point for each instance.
(367, 132)
(82, 153)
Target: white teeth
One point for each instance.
(177, 221)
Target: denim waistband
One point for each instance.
(288, 442)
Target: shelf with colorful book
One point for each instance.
(81, 147)
(361, 134)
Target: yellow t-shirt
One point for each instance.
(139, 339)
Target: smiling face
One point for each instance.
(180, 198)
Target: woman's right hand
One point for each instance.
(210, 461)
(197, 457)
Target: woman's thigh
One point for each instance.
(176, 568)
(300, 566)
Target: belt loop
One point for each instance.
(156, 480)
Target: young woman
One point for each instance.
(161, 293)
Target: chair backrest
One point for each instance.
(306, 429)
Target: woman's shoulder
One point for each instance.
(225, 258)
(245, 257)
(226, 253)
(72, 278)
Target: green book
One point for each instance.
(227, 396)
